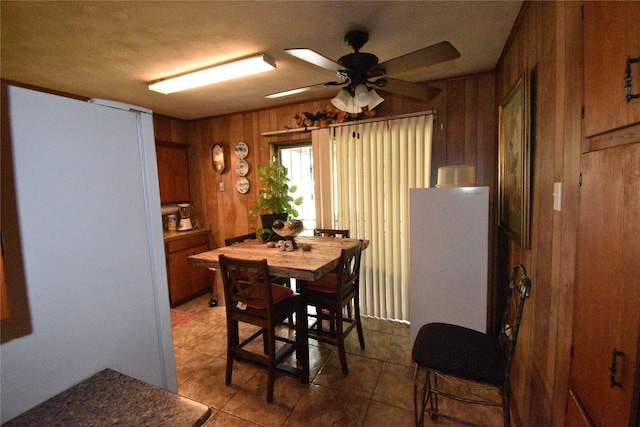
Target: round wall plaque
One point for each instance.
(242, 150)
(242, 185)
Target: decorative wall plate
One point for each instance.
(242, 185)
(242, 150)
(242, 168)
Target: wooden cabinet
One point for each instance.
(185, 280)
(611, 34)
(173, 172)
(606, 325)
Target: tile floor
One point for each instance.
(377, 392)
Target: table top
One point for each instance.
(111, 398)
(298, 264)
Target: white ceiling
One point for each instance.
(113, 49)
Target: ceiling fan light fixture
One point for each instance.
(217, 73)
(361, 96)
(375, 99)
(352, 107)
(341, 100)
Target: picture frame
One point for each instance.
(514, 162)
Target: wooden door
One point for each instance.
(611, 33)
(607, 300)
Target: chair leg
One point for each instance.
(358, 324)
(269, 334)
(418, 412)
(505, 404)
(340, 340)
(302, 343)
(432, 397)
(233, 339)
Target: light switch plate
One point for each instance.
(221, 185)
(557, 196)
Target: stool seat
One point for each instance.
(461, 352)
(447, 351)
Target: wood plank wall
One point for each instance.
(465, 133)
(546, 40)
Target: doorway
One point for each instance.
(298, 159)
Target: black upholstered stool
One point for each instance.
(456, 351)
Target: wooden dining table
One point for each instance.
(298, 264)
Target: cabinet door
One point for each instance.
(611, 33)
(186, 280)
(173, 173)
(607, 299)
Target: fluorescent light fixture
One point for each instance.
(217, 73)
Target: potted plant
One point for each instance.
(274, 200)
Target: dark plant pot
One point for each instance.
(267, 222)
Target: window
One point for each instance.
(298, 159)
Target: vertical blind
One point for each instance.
(372, 166)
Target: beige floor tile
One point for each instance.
(250, 402)
(377, 392)
(208, 384)
(322, 406)
(189, 331)
(382, 415)
(222, 419)
(361, 380)
(393, 384)
(188, 362)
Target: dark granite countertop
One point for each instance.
(110, 398)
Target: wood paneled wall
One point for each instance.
(465, 133)
(547, 40)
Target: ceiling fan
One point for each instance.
(359, 72)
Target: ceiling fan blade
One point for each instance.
(302, 89)
(315, 58)
(435, 54)
(413, 90)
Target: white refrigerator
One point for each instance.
(449, 257)
(91, 234)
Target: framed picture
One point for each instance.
(514, 162)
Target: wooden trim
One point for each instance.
(627, 135)
(333, 125)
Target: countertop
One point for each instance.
(175, 235)
(111, 398)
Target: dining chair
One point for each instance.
(237, 239)
(274, 279)
(331, 232)
(251, 298)
(446, 352)
(329, 295)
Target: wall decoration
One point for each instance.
(217, 158)
(242, 185)
(242, 168)
(242, 150)
(514, 162)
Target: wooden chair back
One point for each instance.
(232, 240)
(331, 233)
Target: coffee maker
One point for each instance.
(185, 210)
